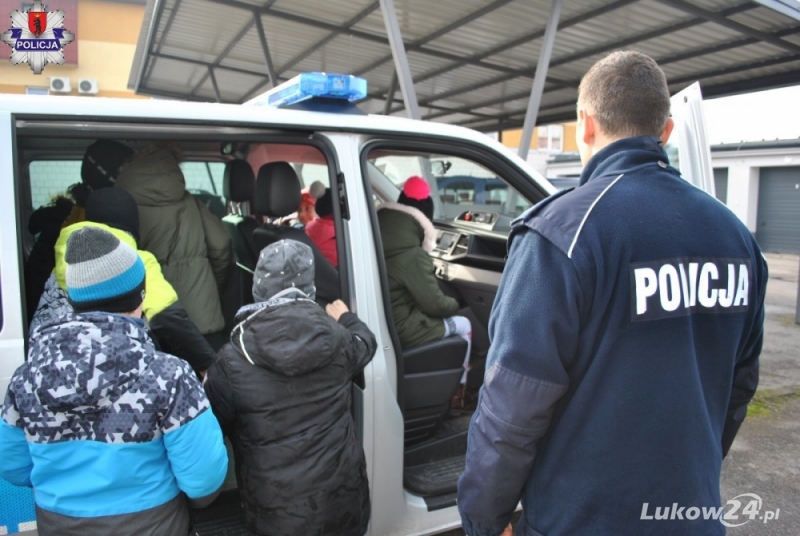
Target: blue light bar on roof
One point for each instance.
(313, 85)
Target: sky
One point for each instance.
(765, 115)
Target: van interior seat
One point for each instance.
(432, 372)
(239, 185)
(213, 202)
(278, 195)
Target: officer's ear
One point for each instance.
(667, 131)
(589, 126)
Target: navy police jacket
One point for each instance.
(625, 340)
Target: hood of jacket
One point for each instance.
(153, 178)
(268, 335)
(83, 363)
(404, 227)
(61, 246)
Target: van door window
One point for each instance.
(49, 178)
(457, 184)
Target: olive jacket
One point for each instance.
(419, 306)
(190, 243)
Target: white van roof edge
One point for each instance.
(66, 107)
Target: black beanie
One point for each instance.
(324, 204)
(101, 163)
(114, 207)
(423, 205)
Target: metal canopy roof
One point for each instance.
(472, 62)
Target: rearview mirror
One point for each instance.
(440, 167)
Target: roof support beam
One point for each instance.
(390, 94)
(539, 79)
(475, 59)
(251, 72)
(214, 83)
(438, 33)
(230, 46)
(530, 71)
(262, 36)
(781, 6)
(359, 34)
(173, 12)
(306, 53)
(722, 20)
(366, 12)
(400, 59)
(645, 36)
(222, 55)
(721, 47)
(719, 90)
(680, 81)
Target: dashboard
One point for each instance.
(470, 256)
(471, 240)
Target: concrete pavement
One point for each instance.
(765, 457)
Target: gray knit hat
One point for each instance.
(283, 265)
(103, 274)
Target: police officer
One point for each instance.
(625, 337)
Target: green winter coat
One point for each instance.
(418, 304)
(191, 244)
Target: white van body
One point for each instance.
(30, 119)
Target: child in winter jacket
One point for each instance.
(112, 435)
(114, 210)
(282, 391)
(192, 244)
(421, 311)
(322, 230)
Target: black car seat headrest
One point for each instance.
(239, 181)
(277, 190)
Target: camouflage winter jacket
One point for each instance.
(108, 431)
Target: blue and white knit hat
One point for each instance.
(103, 274)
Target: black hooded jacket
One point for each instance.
(281, 389)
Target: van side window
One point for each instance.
(204, 176)
(50, 178)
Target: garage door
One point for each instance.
(778, 227)
(721, 184)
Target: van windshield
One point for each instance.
(457, 184)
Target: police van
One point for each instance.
(414, 442)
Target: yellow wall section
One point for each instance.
(511, 138)
(109, 21)
(107, 38)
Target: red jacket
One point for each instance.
(323, 232)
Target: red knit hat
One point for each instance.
(416, 188)
(308, 199)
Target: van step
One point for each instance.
(449, 441)
(434, 478)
